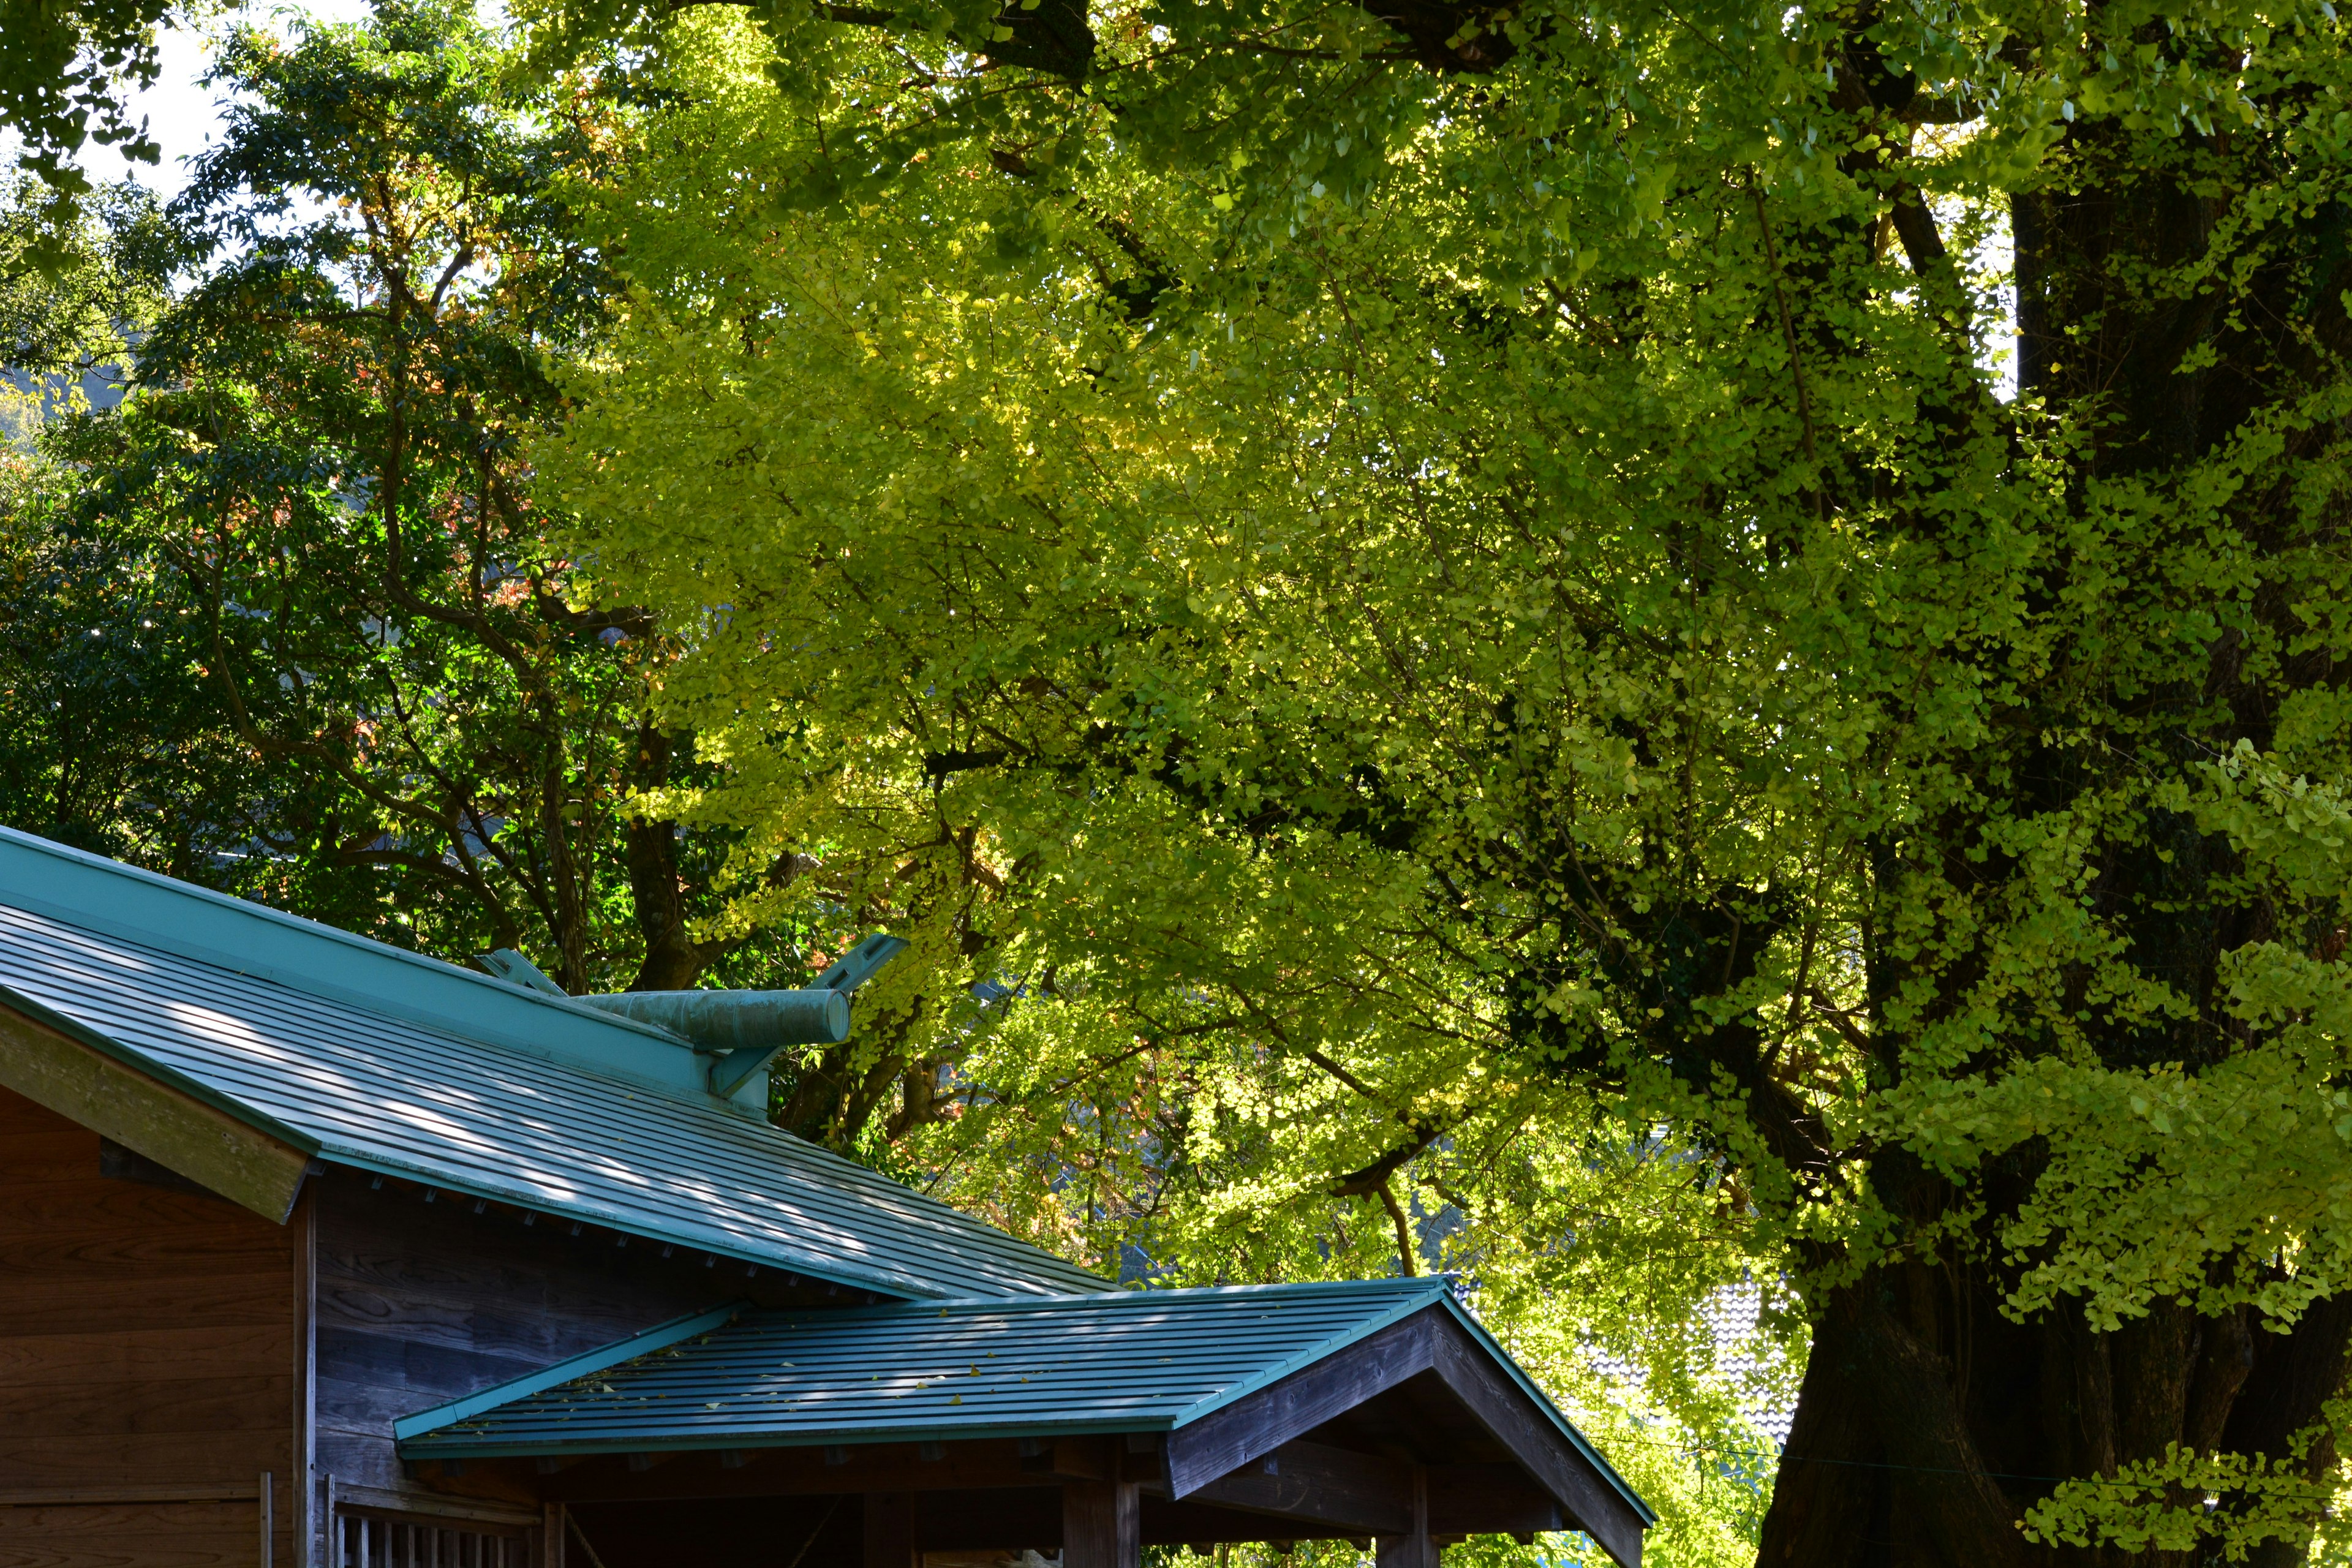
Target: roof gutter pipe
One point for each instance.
(742, 1028)
(732, 1020)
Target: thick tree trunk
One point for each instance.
(1928, 1422)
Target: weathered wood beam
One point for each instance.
(889, 1541)
(1102, 1525)
(59, 1497)
(1229, 1438)
(1490, 1500)
(1410, 1546)
(1470, 1498)
(1506, 1411)
(1008, 1518)
(1430, 1341)
(75, 1078)
(1354, 1493)
(1067, 1459)
(779, 1472)
(998, 1519)
(1192, 1523)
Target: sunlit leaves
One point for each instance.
(1494, 650)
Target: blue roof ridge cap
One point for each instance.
(646, 1342)
(301, 924)
(595, 1031)
(1113, 1296)
(1416, 1285)
(1527, 1384)
(424, 1018)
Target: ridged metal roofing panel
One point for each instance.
(1126, 1361)
(388, 1093)
(113, 900)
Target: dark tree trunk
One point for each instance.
(674, 960)
(1928, 1422)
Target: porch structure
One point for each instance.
(1091, 1425)
(321, 1252)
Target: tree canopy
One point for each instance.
(1428, 602)
(286, 621)
(1632, 648)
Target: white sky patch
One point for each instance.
(183, 115)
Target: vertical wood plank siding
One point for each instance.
(419, 1303)
(147, 1341)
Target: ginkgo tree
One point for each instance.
(1621, 645)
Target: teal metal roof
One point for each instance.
(386, 1061)
(1135, 1360)
(1128, 1360)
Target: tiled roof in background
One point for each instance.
(1730, 1317)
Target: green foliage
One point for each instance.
(286, 621)
(103, 290)
(112, 747)
(1457, 626)
(63, 72)
(2171, 1504)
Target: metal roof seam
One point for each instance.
(194, 1088)
(383, 1094)
(646, 1342)
(427, 1447)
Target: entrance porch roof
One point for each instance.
(1215, 1382)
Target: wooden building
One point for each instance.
(316, 1252)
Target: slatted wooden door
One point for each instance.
(378, 1538)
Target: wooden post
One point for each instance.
(303, 1472)
(551, 1538)
(269, 1525)
(891, 1530)
(1102, 1525)
(1413, 1550)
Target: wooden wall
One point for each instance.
(162, 1349)
(421, 1302)
(148, 1363)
